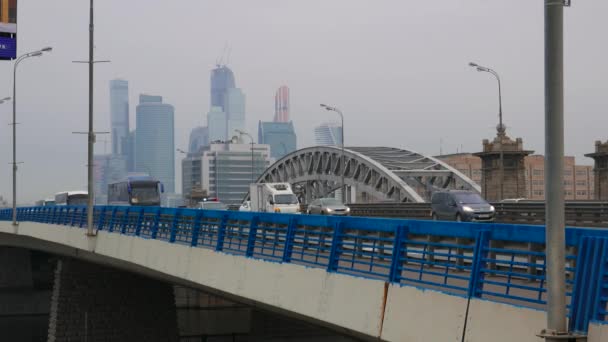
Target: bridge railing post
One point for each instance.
(590, 293)
(173, 229)
(482, 242)
(251, 238)
(53, 216)
(196, 228)
(156, 223)
(102, 218)
(140, 219)
(82, 217)
(125, 221)
(289, 237)
(112, 219)
(221, 233)
(336, 245)
(401, 233)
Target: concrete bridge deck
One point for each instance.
(371, 278)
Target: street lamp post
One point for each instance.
(334, 109)
(500, 128)
(240, 132)
(21, 58)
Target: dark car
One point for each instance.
(327, 206)
(460, 205)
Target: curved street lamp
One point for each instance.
(36, 53)
(334, 109)
(4, 100)
(501, 129)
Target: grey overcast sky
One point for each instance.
(398, 69)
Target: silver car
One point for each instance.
(327, 206)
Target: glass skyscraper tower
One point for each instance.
(155, 140)
(328, 133)
(119, 116)
(227, 112)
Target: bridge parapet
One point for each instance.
(495, 262)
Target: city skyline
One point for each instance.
(426, 82)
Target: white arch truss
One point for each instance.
(370, 173)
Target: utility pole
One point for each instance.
(91, 132)
(555, 243)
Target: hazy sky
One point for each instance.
(398, 69)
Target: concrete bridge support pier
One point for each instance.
(503, 170)
(96, 303)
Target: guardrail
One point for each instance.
(498, 262)
(580, 214)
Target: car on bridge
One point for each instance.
(327, 206)
(459, 205)
(212, 204)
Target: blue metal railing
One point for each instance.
(498, 262)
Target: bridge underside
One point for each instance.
(370, 174)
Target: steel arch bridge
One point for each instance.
(371, 174)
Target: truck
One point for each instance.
(273, 198)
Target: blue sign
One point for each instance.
(8, 48)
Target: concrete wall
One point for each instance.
(412, 315)
(497, 322)
(598, 332)
(308, 293)
(96, 303)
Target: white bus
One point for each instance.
(135, 190)
(72, 198)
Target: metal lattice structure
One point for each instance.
(372, 173)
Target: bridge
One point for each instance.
(374, 279)
(370, 174)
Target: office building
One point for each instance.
(199, 137)
(119, 116)
(222, 79)
(217, 124)
(131, 151)
(328, 133)
(235, 111)
(280, 136)
(227, 112)
(155, 141)
(224, 170)
(108, 168)
(281, 105)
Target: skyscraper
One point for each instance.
(216, 121)
(227, 105)
(119, 116)
(222, 79)
(281, 137)
(328, 133)
(235, 110)
(155, 141)
(281, 105)
(199, 137)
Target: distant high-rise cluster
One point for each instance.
(227, 112)
(281, 105)
(148, 149)
(328, 133)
